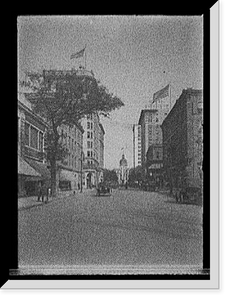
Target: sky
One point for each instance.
(133, 56)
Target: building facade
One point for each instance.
(93, 148)
(151, 133)
(69, 171)
(136, 145)
(183, 139)
(154, 165)
(32, 167)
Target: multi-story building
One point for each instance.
(136, 145)
(101, 151)
(32, 167)
(183, 139)
(151, 133)
(93, 148)
(69, 171)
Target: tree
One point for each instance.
(65, 97)
(136, 174)
(110, 175)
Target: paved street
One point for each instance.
(131, 227)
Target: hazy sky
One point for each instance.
(133, 56)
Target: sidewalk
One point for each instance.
(29, 202)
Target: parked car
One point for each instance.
(103, 189)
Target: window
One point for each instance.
(88, 144)
(88, 153)
(27, 134)
(91, 135)
(91, 125)
(91, 144)
(150, 118)
(40, 141)
(88, 125)
(88, 134)
(34, 138)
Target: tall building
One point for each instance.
(69, 171)
(136, 145)
(93, 148)
(183, 139)
(151, 133)
(32, 167)
(101, 151)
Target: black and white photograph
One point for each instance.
(111, 161)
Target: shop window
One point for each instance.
(34, 138)
(27, 134)
(40, 141)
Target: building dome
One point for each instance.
(123, 161)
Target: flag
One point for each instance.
(161, 93)
(78, 54)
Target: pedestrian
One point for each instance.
(44, 193)
(39, 191)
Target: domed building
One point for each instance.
(123, 161)
(123, 171)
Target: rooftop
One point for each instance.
(78, 72)
(143, 113)
(185, 92)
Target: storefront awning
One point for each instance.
(25, 169)
(40, 168)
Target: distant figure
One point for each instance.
(44, 192)
(39, 191)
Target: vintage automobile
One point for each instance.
(103, 189)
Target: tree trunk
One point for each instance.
(53, 169)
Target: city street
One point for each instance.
(130, 227)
